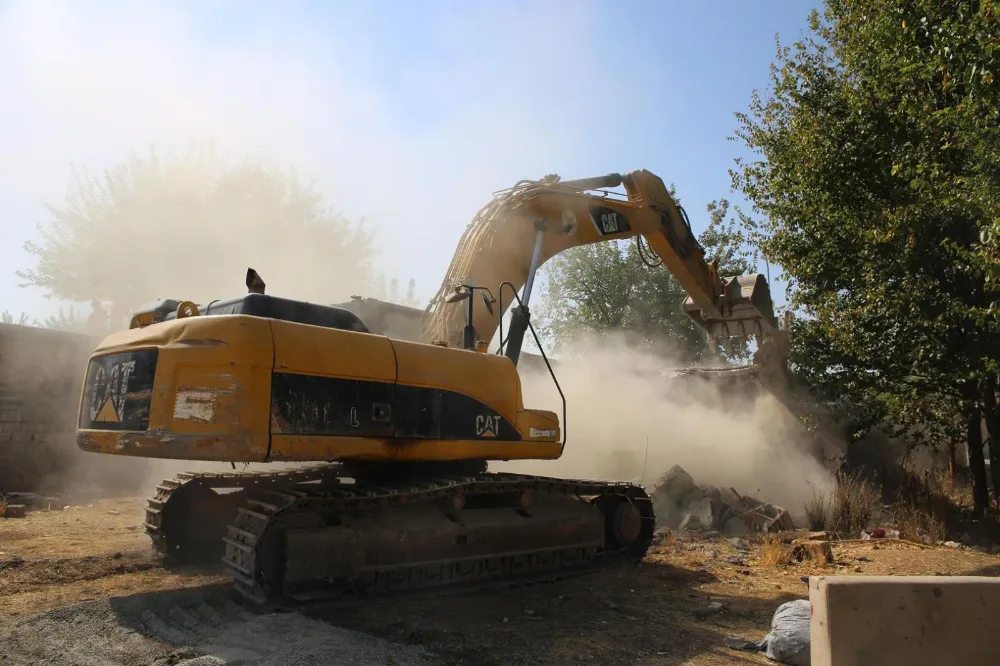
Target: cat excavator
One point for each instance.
(397, 434)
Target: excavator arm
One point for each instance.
(513, 236)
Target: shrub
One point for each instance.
(924, 505)
(855, 501)
(817, 511)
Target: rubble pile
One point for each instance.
(18, 505)
(681, 504)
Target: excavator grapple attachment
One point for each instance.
(747, 310)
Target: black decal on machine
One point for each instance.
(608, 221)
(309, 405)
(333, 406)
(439, 414)
(118, 391)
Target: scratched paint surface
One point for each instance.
(194, 405)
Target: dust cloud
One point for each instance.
(628, 420)
(415, 145)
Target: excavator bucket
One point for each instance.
(747, 310)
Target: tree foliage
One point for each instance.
(606, 287)
(188, 227)
(6, 317)
(62, 321)
(876, 186)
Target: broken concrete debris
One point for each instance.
(681, 504)
(12, 510)
(17, 505)
(710, 608)
(815, 550)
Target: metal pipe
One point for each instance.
(535, 256)
(595, 183)
(520, 315)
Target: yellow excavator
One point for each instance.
(400, 432)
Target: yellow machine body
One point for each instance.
(240, 388)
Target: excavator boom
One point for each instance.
(511, 237)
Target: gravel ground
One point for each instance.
(106, 599)
(191, 628)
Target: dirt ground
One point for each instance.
(655, 613)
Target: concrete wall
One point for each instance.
(904, 620)
(41, 374)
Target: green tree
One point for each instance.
(187, 227)
(608, 288)
(875, 185)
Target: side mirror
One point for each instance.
(487, 301)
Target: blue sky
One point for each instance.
(407, 113)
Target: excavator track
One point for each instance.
(186, 519)
(304, 545)
(306, 536)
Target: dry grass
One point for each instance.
(928, 507)
(917, 525)
(774, 552)
(817, 512)
(54, 557)
(925, 505)
(669, 541)
(854, 503)
(103, 526)
(849, 510)
(42, 597)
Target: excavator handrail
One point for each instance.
(538, 342)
